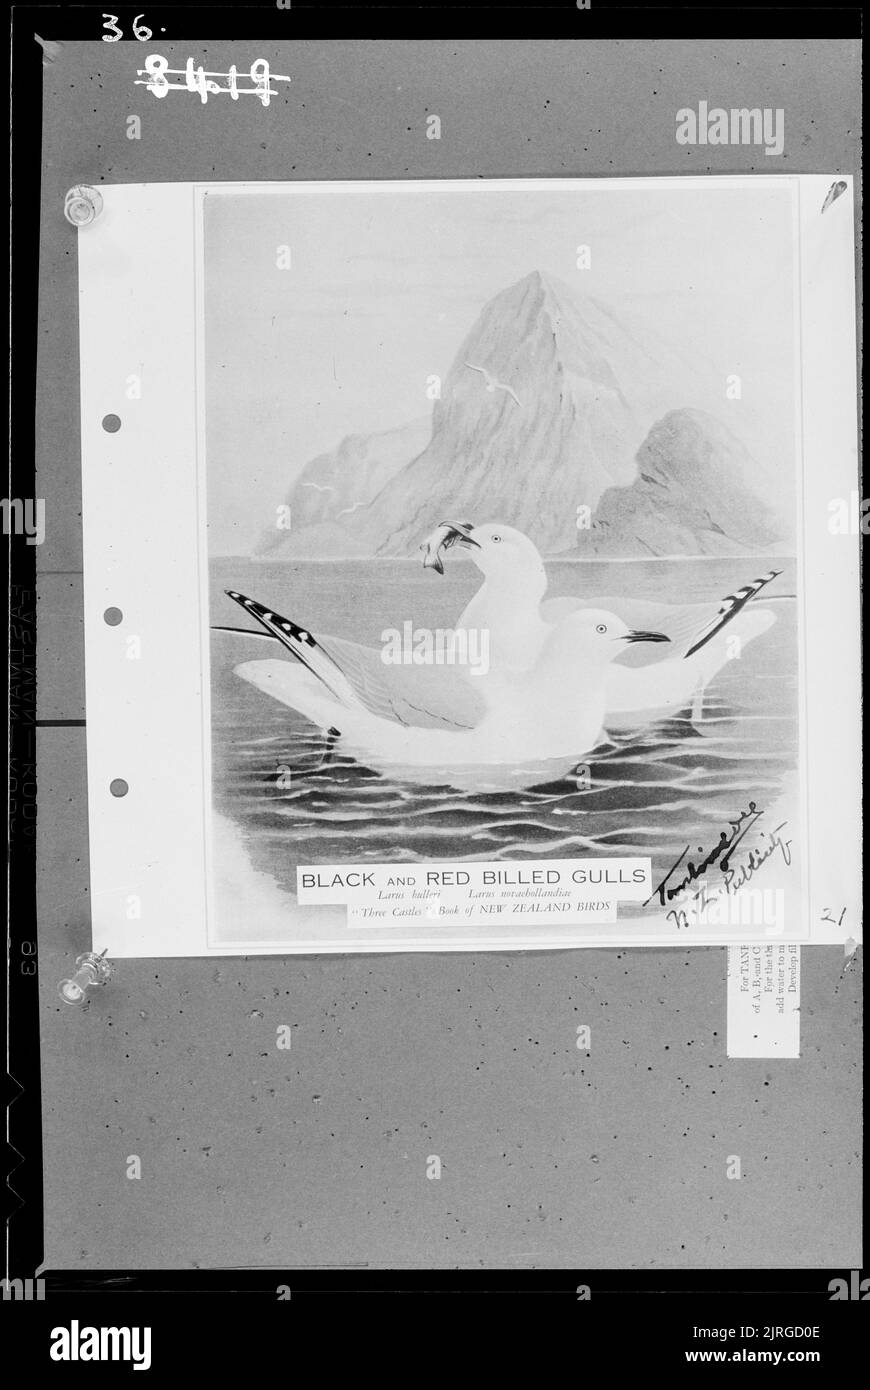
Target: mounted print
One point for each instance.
(482, 565)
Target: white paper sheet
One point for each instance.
(250, 337)
(764, 1001)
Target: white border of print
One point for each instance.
(141, 283)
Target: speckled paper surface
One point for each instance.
(550, 1154)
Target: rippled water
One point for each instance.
(298, 799)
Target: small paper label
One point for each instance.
(764, 1000)
(541, 891)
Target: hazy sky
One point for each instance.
(384, 286)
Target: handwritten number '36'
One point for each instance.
(141, 31)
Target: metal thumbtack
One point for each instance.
(82, 205)
(90, 970)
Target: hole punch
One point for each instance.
(111, 423)
(113, 616)
(91, 970)
(118, 787)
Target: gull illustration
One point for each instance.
(424, 717)
(510, 606)
(492, 384)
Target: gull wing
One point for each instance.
(679, 622)
(426, 697)
(689, 626)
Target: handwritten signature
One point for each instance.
(720, 857)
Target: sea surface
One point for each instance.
(296, 799)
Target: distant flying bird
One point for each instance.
(325, 488)
(833, 194)
(492, 384)
(344, 511)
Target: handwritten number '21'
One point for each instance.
(141, 32)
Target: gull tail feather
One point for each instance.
(245, 632)
(303, 645)
(730, 606)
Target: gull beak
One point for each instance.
(645, 637)
(461, 531)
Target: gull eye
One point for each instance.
(601, 627)
(495, 538)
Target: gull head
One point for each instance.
(591, 637)
(500, 552)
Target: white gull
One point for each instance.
(511, 607)
(431, 717)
